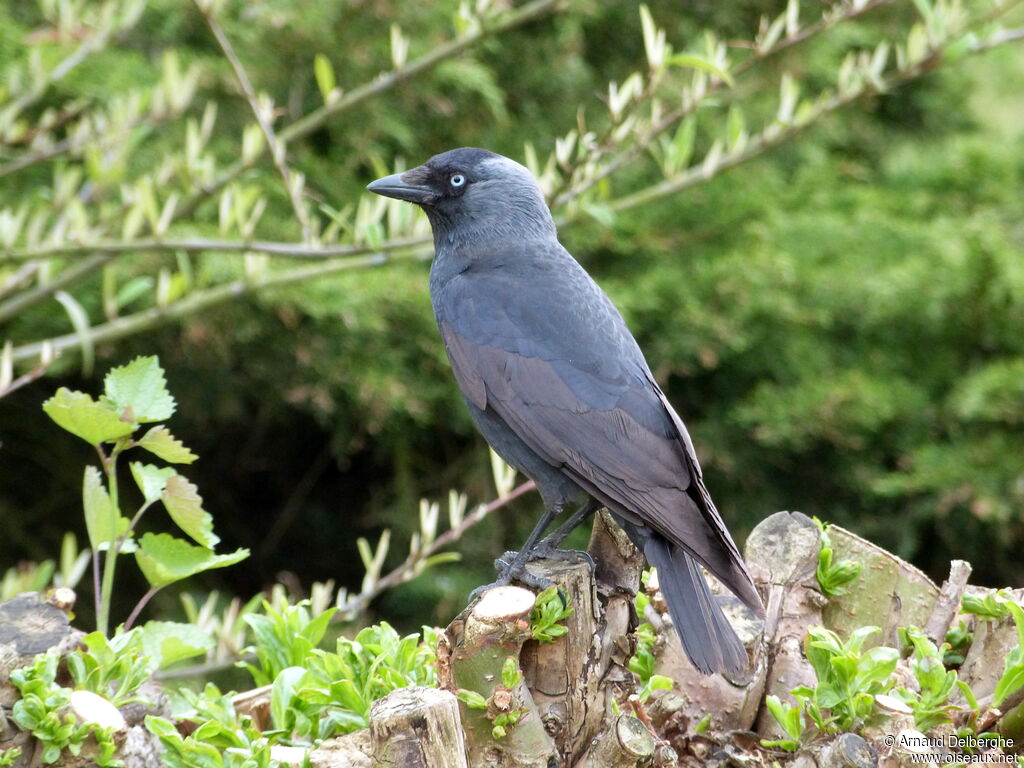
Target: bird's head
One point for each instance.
(472, 194)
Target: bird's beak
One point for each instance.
(394, 186)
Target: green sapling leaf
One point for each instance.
(101, 520)
(164, 559)
(510, 674)
(185, 506)
(94, 422)
(167, 642)
(140, 385)
(151, 479)
(160, 441)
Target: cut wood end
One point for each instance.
(61, 597)
(89, 707)
(634, 738)
(288, 755)
(504, 604)
(402, 701)
(893, 704)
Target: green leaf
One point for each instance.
(101, 520)
(80, 415)
(281, 693)
(471, 699)
(510, 674)
(699, 62)
(185, 506)
(324, 72)
(151, 479)
(140, 386)
(160, 441)
(165, 559)
(167, 642)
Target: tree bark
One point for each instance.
(417, 728)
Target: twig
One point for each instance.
(776, 134)
(200, 244)
(628, 155)
(146, 319)
(357, 603)
(385, 82)
(948, 601)
(89, 46)
(80, 141)
(40, 293)
(404, 572)
(276, 147)
(139, 606)
(315, 119)
(27, 378)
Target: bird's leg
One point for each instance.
(550, 544)
(511, 564)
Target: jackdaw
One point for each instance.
(558, 386)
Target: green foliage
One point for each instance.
(790, 718)
(341, 686)
(550, 609)
(1013, 665)
(317, 693)
(958, 640)
(501, 721)
(643, 660)
(223, 738)
(113, 669)
(9, 756)
(510, 674)
(135, 394)
(930, 705)
(992, 605)
(833, 576)
(846, 299)
(41, 711)
(283, 638)
(848, 677)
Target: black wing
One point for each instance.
(558, 365)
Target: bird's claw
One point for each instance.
(546, 551)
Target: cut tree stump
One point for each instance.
(889, 593)
(417, 728)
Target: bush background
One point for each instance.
(839, 321)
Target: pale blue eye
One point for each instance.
(457, 180)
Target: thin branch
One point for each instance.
(88, 47)
(999, 38)
(204, 299)
(201, 244)
(634, 150)
(27, 378)
(139, 606)
(776, 134)
(79, 141)
(382, 83)
(40, 293)
(276, 147)
(315, 119)
(15, 280)
(402, 573)
(406, 570)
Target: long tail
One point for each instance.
(708, 639)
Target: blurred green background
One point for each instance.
(840, 321)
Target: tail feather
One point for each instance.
(708, 639)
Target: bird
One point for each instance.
(560, 389)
